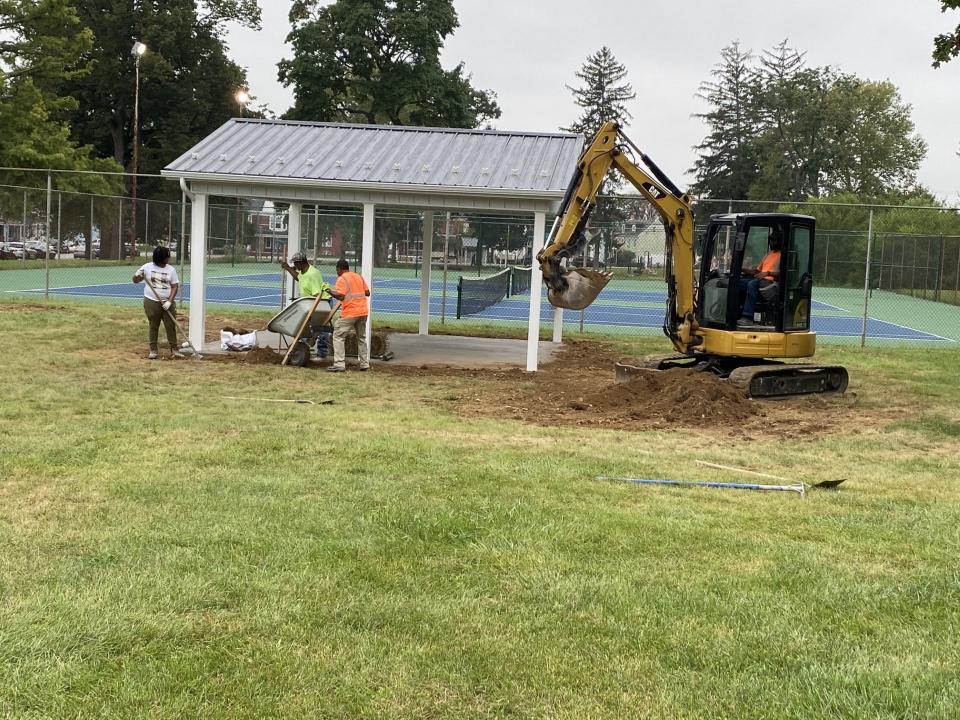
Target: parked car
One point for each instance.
(9, 251)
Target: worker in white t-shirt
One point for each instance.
(159, 295)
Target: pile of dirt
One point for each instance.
(262, 356)
(679, 397)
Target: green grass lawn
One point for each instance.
(165, 552)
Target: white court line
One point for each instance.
(912, 329)
(243, 299)
(832, 307)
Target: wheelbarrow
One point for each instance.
(288, 322)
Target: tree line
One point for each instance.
(776, 128)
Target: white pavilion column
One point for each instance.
(367, 261)
(557, 325)
(426, 254)
(536, 280)
(294, 215)
(198, 269)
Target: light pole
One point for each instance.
(243, 98)
(137, 51)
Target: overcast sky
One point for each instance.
(526, 51)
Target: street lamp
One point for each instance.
(242, 97)
(137, 51)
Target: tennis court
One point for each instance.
(626, 305)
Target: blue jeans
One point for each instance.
(324, 342)
(750, 286)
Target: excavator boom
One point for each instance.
(721, 325)
(576, 288)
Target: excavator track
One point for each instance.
(769, 380)
(778, 381)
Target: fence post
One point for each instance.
(59, 216)
(46, 255)
(446, 252)
(119, 228)
(88, 249)
(316, 232)
(866, 281)
(939, 286)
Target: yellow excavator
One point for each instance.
(749, 308)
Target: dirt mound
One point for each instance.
(651, 399)
(263, 356)
(679, 396)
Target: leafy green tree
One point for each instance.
(602, 96)
(727, 161)
(187, 81)
(378, 61)
(811, 132)
(43, 40)
(42, 43)
(946, 46)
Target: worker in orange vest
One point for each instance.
(352, 291)
(760, 277)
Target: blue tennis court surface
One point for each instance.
(615, 308)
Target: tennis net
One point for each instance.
(475, 295)
(519, 280)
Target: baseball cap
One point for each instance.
(298, 257)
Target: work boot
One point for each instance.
(152, 355)
(174, 353)
(336, 368)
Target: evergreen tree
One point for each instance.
(602, 96)
(727, 158)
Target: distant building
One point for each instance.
(645, 239)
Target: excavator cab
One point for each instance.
(756, 273)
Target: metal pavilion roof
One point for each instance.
(384, 157)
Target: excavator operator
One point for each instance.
(754, 281)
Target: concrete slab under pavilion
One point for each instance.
(461, 351)
(371, 166)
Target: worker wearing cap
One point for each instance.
(311, 285)
(352, 291)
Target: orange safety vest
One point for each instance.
(770, 264)
(354, 290)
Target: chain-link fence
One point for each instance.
(63, 241)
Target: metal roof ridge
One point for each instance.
(403, 128)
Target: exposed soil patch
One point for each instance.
(577, 388)
(215, 323)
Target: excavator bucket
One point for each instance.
(583, 286)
